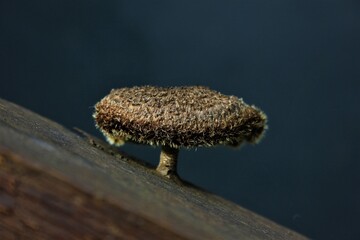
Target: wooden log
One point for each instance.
(56, 184)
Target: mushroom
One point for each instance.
(174, 117)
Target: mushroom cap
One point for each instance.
(188, 116)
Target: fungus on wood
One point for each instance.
(174, 117)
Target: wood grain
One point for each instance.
(57, 184)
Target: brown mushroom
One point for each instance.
(174, 117)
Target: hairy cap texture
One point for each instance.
(188, 116)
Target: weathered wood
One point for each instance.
(55, 184)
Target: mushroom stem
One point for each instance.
(168, 160)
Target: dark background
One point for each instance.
(298, 60)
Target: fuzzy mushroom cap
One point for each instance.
(178, 117)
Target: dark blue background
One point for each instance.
(298, 60)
